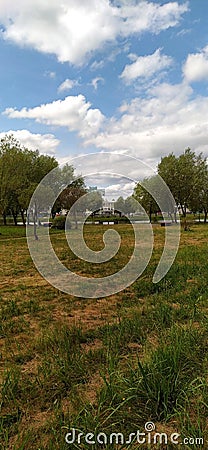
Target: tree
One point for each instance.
(130, 205)
(71, 194)
(21, 170)
(204, 199)
(199, 201)
(184, 176)
(60, 179)
(119, 205)
(92, 201)
(7, 173)
(144, 198)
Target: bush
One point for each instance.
(59, 223)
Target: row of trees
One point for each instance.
(127, 205)
(21, 171)
(187, 178)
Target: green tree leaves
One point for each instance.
(21, 170)
(186, 177)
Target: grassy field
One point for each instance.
(103, 365)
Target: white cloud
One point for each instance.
(146, 66)
(169, 119)
(74, 112)
(142, 16)
(67, 85)
(45, 143)
(184, 31)
(73, 29)
(113, 171)
(49, 74)
(95, 82)
(96, 65)
(132, 56)
(52, 75)
(196, 66)
(124, 189)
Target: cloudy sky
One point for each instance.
(127, 76)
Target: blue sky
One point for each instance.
(128, 76)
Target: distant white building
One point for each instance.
(108, 207)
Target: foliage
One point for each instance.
(144, 198)
(71, 194)
(126, 206)
(185, 175)
(187, 178)
(59, 222)
(199, 201)
(130, 205)
(20, 172)
(93, 201)
(119, 205)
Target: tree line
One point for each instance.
(21, 171)
(187, 178)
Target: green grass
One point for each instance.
(103, 365)
(10, 231)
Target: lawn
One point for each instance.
(108, 364)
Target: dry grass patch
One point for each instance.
(60, 354)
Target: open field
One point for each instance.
(109, 364)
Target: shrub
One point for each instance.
(59, 223)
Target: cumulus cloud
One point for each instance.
(196, 66)
(143, 15)
(74, 112)
(73, 29)
(45, 143)
(146, 66)
(124, 189)
(67, 85)
(169, 119)
(116, 172)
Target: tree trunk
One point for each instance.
(171, 216)
(14, 217)
(75, 219)
(35, 216)
(205, 215)
(150, 214)
(183, 209)
(28, 217)
(4, 218)
(23, 217)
